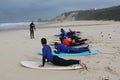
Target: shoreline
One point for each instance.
(63, 24)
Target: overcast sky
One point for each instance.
(27, 10)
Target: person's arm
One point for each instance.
(34, 27)
(57, 50)
(43, 62)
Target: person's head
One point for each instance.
(56, 44)
(43, 41)
(32, 21)
(61, 29)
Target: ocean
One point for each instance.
(7, 26)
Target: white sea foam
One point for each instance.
(18, 25)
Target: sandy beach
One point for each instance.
(104, 36)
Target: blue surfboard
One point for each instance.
(57, 35)
(74, 54)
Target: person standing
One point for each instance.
(32, 28)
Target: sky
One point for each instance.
(28, 10)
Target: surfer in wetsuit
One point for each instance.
(71, 42)
(62, 48)
(32, 28)
(47, 55)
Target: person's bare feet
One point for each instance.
(83, 65)
(89, 49)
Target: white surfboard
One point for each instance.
(35, 65)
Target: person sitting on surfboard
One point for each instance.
(47, 55)
(65, 49)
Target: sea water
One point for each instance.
(6, 26)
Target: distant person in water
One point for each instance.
(32, 28)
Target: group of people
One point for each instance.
(64, 46)
(56, 60)
(68, 42)
(70, 38)
(61, 47)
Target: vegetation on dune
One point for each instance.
(111, 13)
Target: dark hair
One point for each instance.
(61, 37)
(56, 44)
(43, 40)
(61, 29)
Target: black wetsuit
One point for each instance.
(32, 27)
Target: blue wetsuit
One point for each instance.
(62, 48)
(66, 49)
(47, 54)
(64, 32)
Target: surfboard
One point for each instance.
(58, 35)
(49, 66)
(74, 54)
(57, 40)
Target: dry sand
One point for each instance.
(104, 36)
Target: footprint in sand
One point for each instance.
(102, 35)
(110, 70)
(110, 37)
